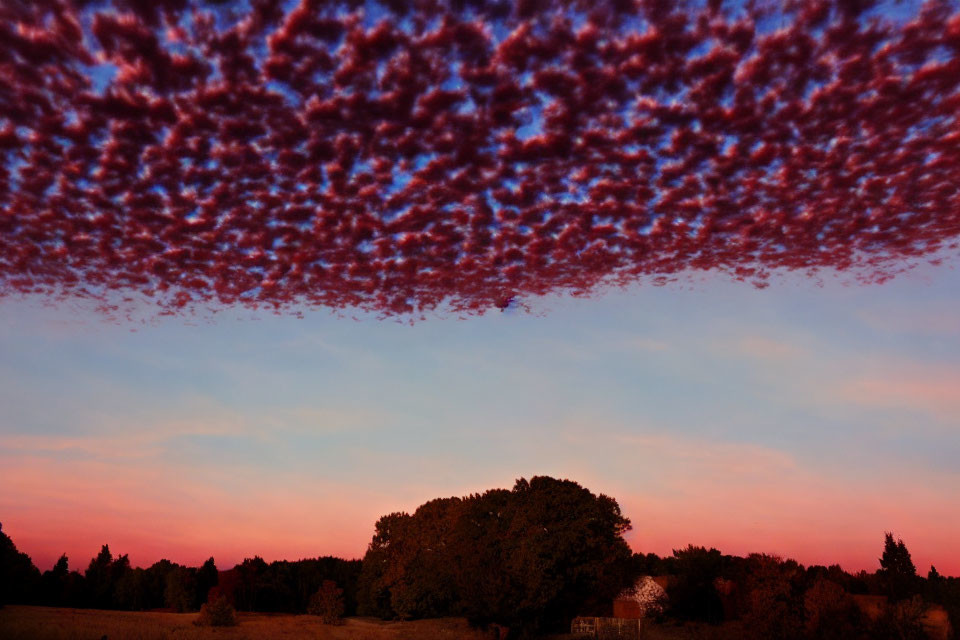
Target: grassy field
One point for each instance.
(46, 623)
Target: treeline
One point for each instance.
(530, 559)
(111, 583)
(283, 586)
(107, 583)
(776, 598)
(524, 560)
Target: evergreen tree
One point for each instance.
(207, 578)
(936, 586)
(99, 580)
(53, 583)
(898, 574)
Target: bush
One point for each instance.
(831, 613)
(217, 612)
(901, 621)
(774, 610)
(327, 603)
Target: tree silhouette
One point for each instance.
(526, 559)
(693, 595)
(128, 585)
(379, 565)
(562, 550)
(155, 583)
(99, 579)
(255, 585)
(897, 572)
(181, 589)
(207, 578)
(53, 583)
(19, 579)
(252, 587)
(418, 573)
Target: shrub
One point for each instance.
(774, 610)
(217, 612)
(831, 613)
(901, 621)
(327, 603)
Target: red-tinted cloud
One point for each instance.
(464, 153)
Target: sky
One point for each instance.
(805, 420)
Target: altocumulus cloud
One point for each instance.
(409, 155)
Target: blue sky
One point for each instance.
(804, 419)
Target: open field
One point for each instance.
(47, 623)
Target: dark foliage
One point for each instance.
(207, 578)
(650, 564)
(181, 589)
(284, 586)
(945, 592)
(217, 611)
(527, 559)
(19, 579)
(853, 584)
(99, 580)
(693, 595)
(830, 612)
(901, 620)
(327, 603)
(897, 573)
(156, 580)
(773, 595)
(61, 587)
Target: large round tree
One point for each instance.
(526, 559)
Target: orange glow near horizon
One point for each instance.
(202, 523)
(194, 544)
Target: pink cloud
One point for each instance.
(912, 385)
